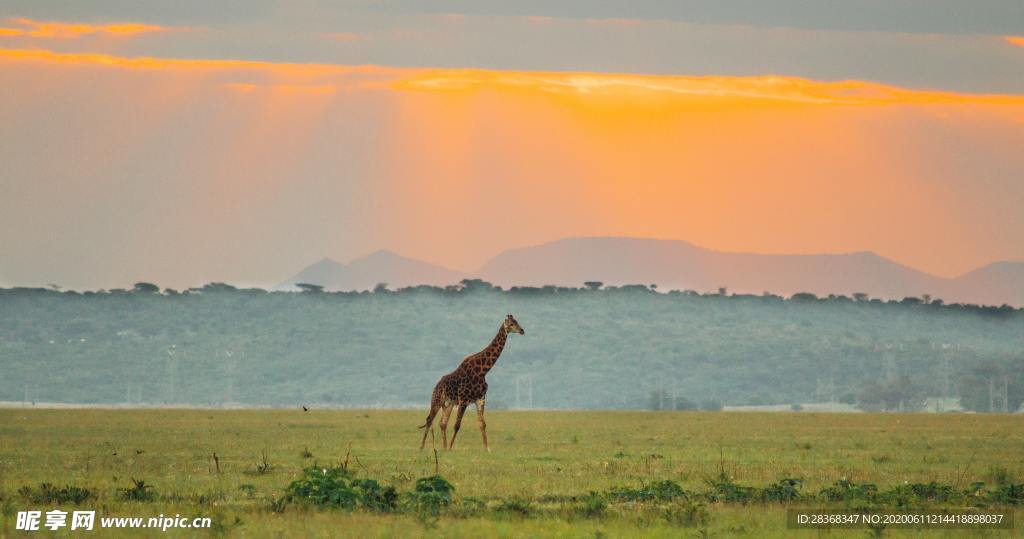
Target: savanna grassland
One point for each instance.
(536, 481)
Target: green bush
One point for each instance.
(845, 490)
(661, 491)
(138, 492)
(1008, 493)
(374, 497)
(50, 494)
(784, 490)
(725, 490)
(335, 487)
(430, 495)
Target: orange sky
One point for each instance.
(246, 171)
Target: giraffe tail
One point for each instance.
(434, 405)
(430, 418)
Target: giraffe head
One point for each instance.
(512, 326)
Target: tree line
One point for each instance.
(595, 346)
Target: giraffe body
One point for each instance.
(467, 385)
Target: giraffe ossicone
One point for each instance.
(467, 385)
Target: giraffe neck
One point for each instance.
(489, 356)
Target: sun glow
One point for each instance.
(765, 163)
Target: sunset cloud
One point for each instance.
(280, 69)
(780, 88)
(319, 77)
(310, 89)
(68, 30)
(204, 154)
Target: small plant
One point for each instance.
(593, 505)
(430, 495)
(784, 490)
(845, 490)
(262, 467)
(661, 491)
(50, 494)
(374, 497)
(1008, 493)
(725, 490)
(248, 489)
(327, 486)
(138, 492)
(336, 487)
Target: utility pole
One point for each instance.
(991, 395)
(172, 368)
(889, 361)
(229, 393)
(945, 375)
(998, 394)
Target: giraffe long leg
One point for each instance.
(446, 412)
(458, 422)
(480, 420)
(428, 425)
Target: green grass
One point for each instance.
(542, 459)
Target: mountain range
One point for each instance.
(675, 264)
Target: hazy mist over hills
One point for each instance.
(585, 347)
(366, 272)
(679, 265)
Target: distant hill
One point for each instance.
(366, 272)
(674, 264)
(994, 284)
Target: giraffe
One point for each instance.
(466, 385)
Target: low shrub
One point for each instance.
(138, 492)
(783, 490)
(430, 495)
(660, 491)
(725, 490)
(845, 490)
(46, 493)
(336, 487)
